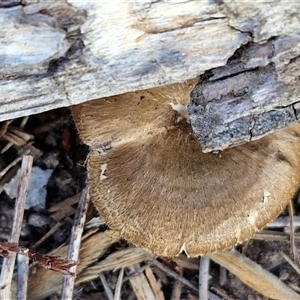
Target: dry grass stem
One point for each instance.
(140, 270)
(223, 275)
(292, 233)
(175, 275)
(9, 262)
(13, 163)
(4, 127)
(121, 259)
(186, 262)
(155, 286)
(254, 275)
(203, 277)
(284, 222)
(107, 289)
(296, 267)
(94, 223)
(295, 287)
(177, 287)
(221, 293)
(39, 285)
(47, 235)
(270, 235)
(141, 285)
(118, 288)
(75, 242)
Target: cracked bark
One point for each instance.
(255, 94)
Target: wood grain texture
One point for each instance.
(61, 53)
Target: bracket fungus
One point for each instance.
(151, 182)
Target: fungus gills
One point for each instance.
(151, 182)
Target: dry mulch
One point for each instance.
(109, 267)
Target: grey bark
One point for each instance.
(61, 53)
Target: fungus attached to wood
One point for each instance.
(151, 182)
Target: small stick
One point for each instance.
(139, 270)
(48, 234)
(9, 261)
(107, 289)
(22, 278)
(118, 288)
(292, 233)
(221, 293)
(284, 222)
(175, 275)
(296, 268)
(74, 247)
(177, 288)
(223, 275)
(13, 163)
(203, 277)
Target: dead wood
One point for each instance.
(96, 50)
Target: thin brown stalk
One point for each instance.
(9, 261)
(74, 247)
(48, 234)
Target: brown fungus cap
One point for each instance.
(151, 182)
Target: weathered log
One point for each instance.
(61, 53)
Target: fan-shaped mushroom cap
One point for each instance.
(150, 180)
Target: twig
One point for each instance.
(297, 269)
(13, 163)
(117, 295)
(221, 293)
(74, 247)
(139, 270)
(22, 278)
(48, 234)
(203, 277)
(223, 275)
(175, 275)
(24, 121)
(177, 287)
(284, 222)
(272, 235)
(292, 233)
(107, 289)
(154, 284)
(9, 262)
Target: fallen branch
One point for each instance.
(75, 242)
(9, 260)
